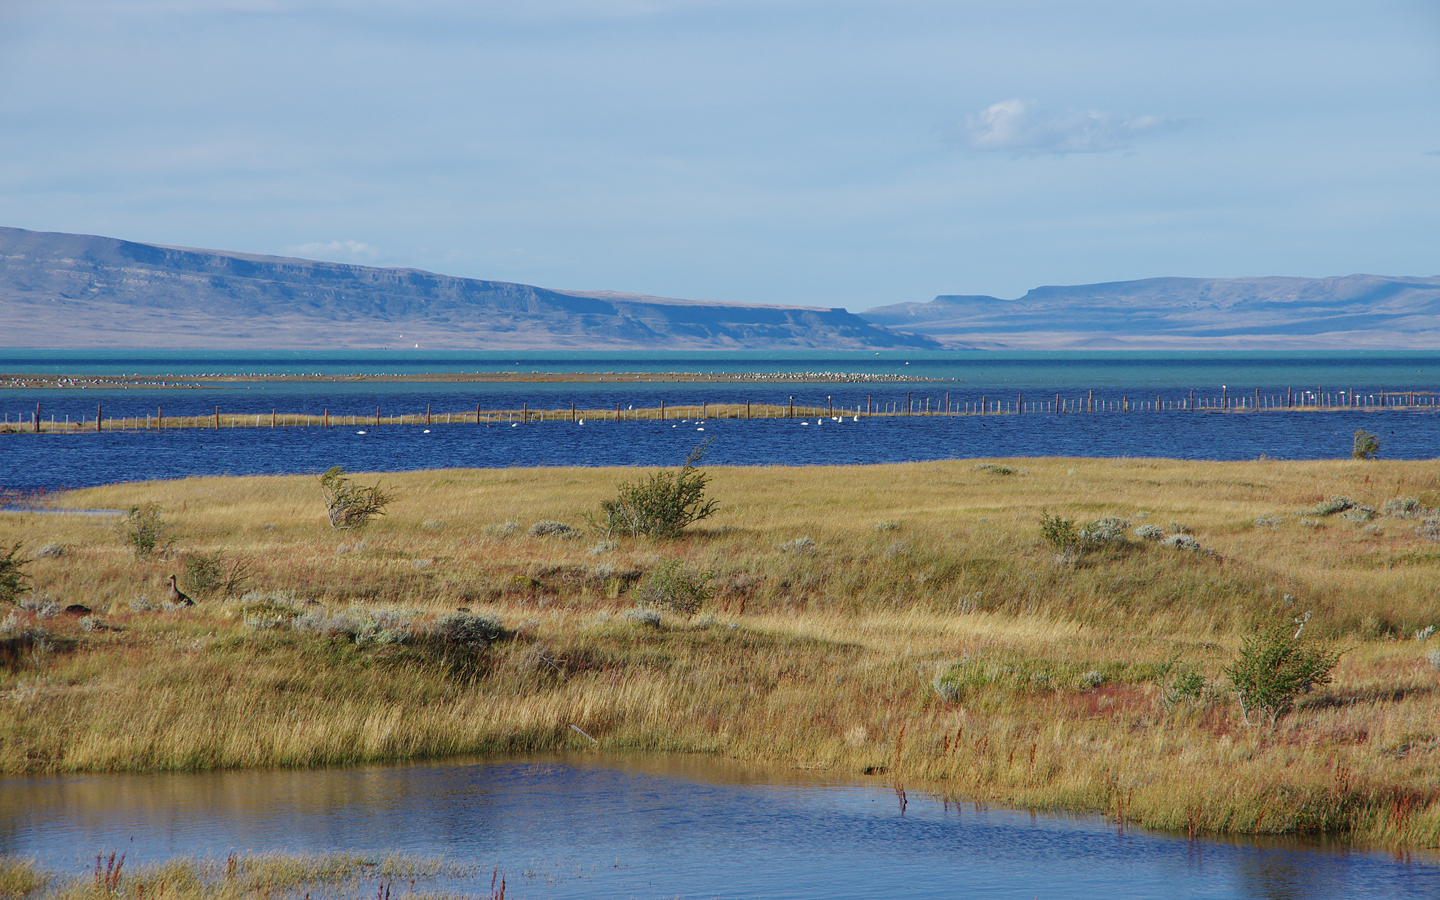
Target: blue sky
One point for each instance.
(830, 153)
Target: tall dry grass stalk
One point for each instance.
(905, 621)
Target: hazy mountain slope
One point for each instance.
(79, 291)
(1350, 312)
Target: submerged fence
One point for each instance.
(928, 405)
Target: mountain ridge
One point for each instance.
(1338, 312)
(86, 291)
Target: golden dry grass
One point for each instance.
(820, 656)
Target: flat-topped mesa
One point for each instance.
(1344, 313)
(80, 292)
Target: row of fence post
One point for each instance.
(1253, 402)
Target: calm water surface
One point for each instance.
(649, 827)
(50, 462)
(53, 462)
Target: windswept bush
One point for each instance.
(211, 574)
(351, 505)
(1366, 445)
(1273, 668)
(1150, 532)
(661, 506)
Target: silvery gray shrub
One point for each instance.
(1181, 542)
(1332, 506)
(1150, 532)
(1404, 508)
(548, 528)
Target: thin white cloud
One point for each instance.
(336, 251)
(1019, 127)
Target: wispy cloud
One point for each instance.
(336, 251)
(1021, 128)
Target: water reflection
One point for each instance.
(664, 827)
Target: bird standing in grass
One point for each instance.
(178, 596)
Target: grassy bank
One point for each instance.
(278, 876)
(903, 621)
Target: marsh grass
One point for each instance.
(1064, 690)
(237, 877)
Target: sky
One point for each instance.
(851, 154)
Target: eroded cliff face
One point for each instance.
(79, 291)
(1349, 312)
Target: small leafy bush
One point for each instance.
(1187, 685)
(50, 551)
(1268, 522)
(1273, 668)
(1433, 658)
(1366, 445)
(671, 587)
(1061, 534)
(348, 504)
(661, 506)
(144, 531)
(12, 575)
(1429, 529)
(1150, 532)
(554, 529)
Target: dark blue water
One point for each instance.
(1166, 379)
(660, 828)
(29, 462)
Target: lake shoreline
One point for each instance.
(925, 584)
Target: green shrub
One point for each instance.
(12, 575)
(1273, 668)
(661, 506)
(211, 574)
(672, 588)
(1060, 534)
(1366, 446)
(144, 531)
(348, 504)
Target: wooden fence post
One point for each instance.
(99, 415)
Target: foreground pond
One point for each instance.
(661, 827)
